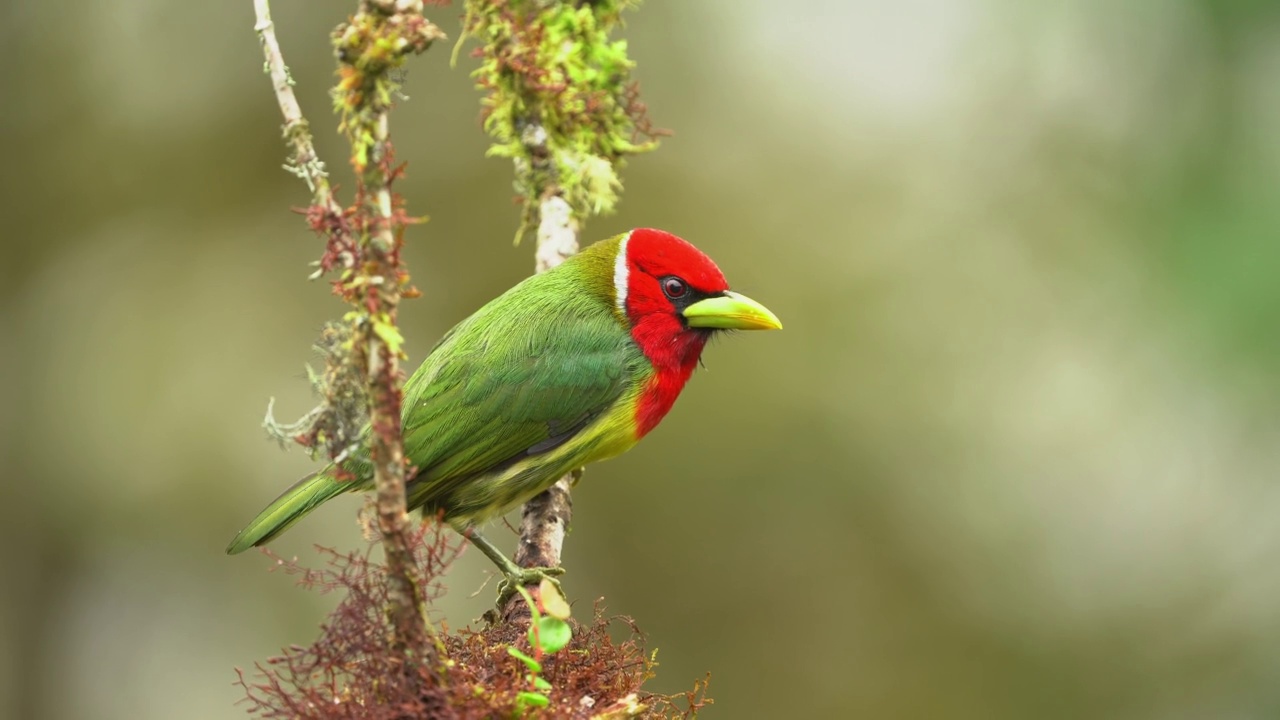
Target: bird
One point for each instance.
(569, 367)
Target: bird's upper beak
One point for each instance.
(731, 311)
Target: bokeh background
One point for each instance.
(1015, 455)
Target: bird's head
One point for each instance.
(674, 297)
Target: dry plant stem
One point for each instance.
(405, 604)
(545, 519)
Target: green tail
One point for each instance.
(306, 495)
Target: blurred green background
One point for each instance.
(1014, 456)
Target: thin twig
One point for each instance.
(304, 163)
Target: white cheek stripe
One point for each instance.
(620, 273)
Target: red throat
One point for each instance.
(674, 353)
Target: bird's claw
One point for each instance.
(527, 576)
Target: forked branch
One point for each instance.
(363, 248)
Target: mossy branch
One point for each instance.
(560, 103)
(377, 658)
(363, 245)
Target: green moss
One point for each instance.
(368, 47)
(560, 101)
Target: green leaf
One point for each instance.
(542, 684)
(551, 633)
(533, 665)
(532, 698)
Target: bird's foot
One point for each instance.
(527, 576)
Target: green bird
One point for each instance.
(569, 367)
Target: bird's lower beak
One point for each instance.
(731, 311)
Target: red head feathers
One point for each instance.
(674, 297)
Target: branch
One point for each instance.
(560, 101)
(378, 335)
(364, 244)
(557, 233)
(368, 660)
(304, 163)
(561, 105)
(373, 43)
(545, 519)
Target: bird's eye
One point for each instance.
(673, 287)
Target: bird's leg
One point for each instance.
(516, 576)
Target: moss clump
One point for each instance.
(560, 100)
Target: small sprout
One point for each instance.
(533, 665)
(527, 699)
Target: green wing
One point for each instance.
(522, 375)
(525, 373)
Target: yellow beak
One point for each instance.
(731, 311)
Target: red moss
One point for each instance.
(353, 670)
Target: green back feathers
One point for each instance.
(520, 376)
